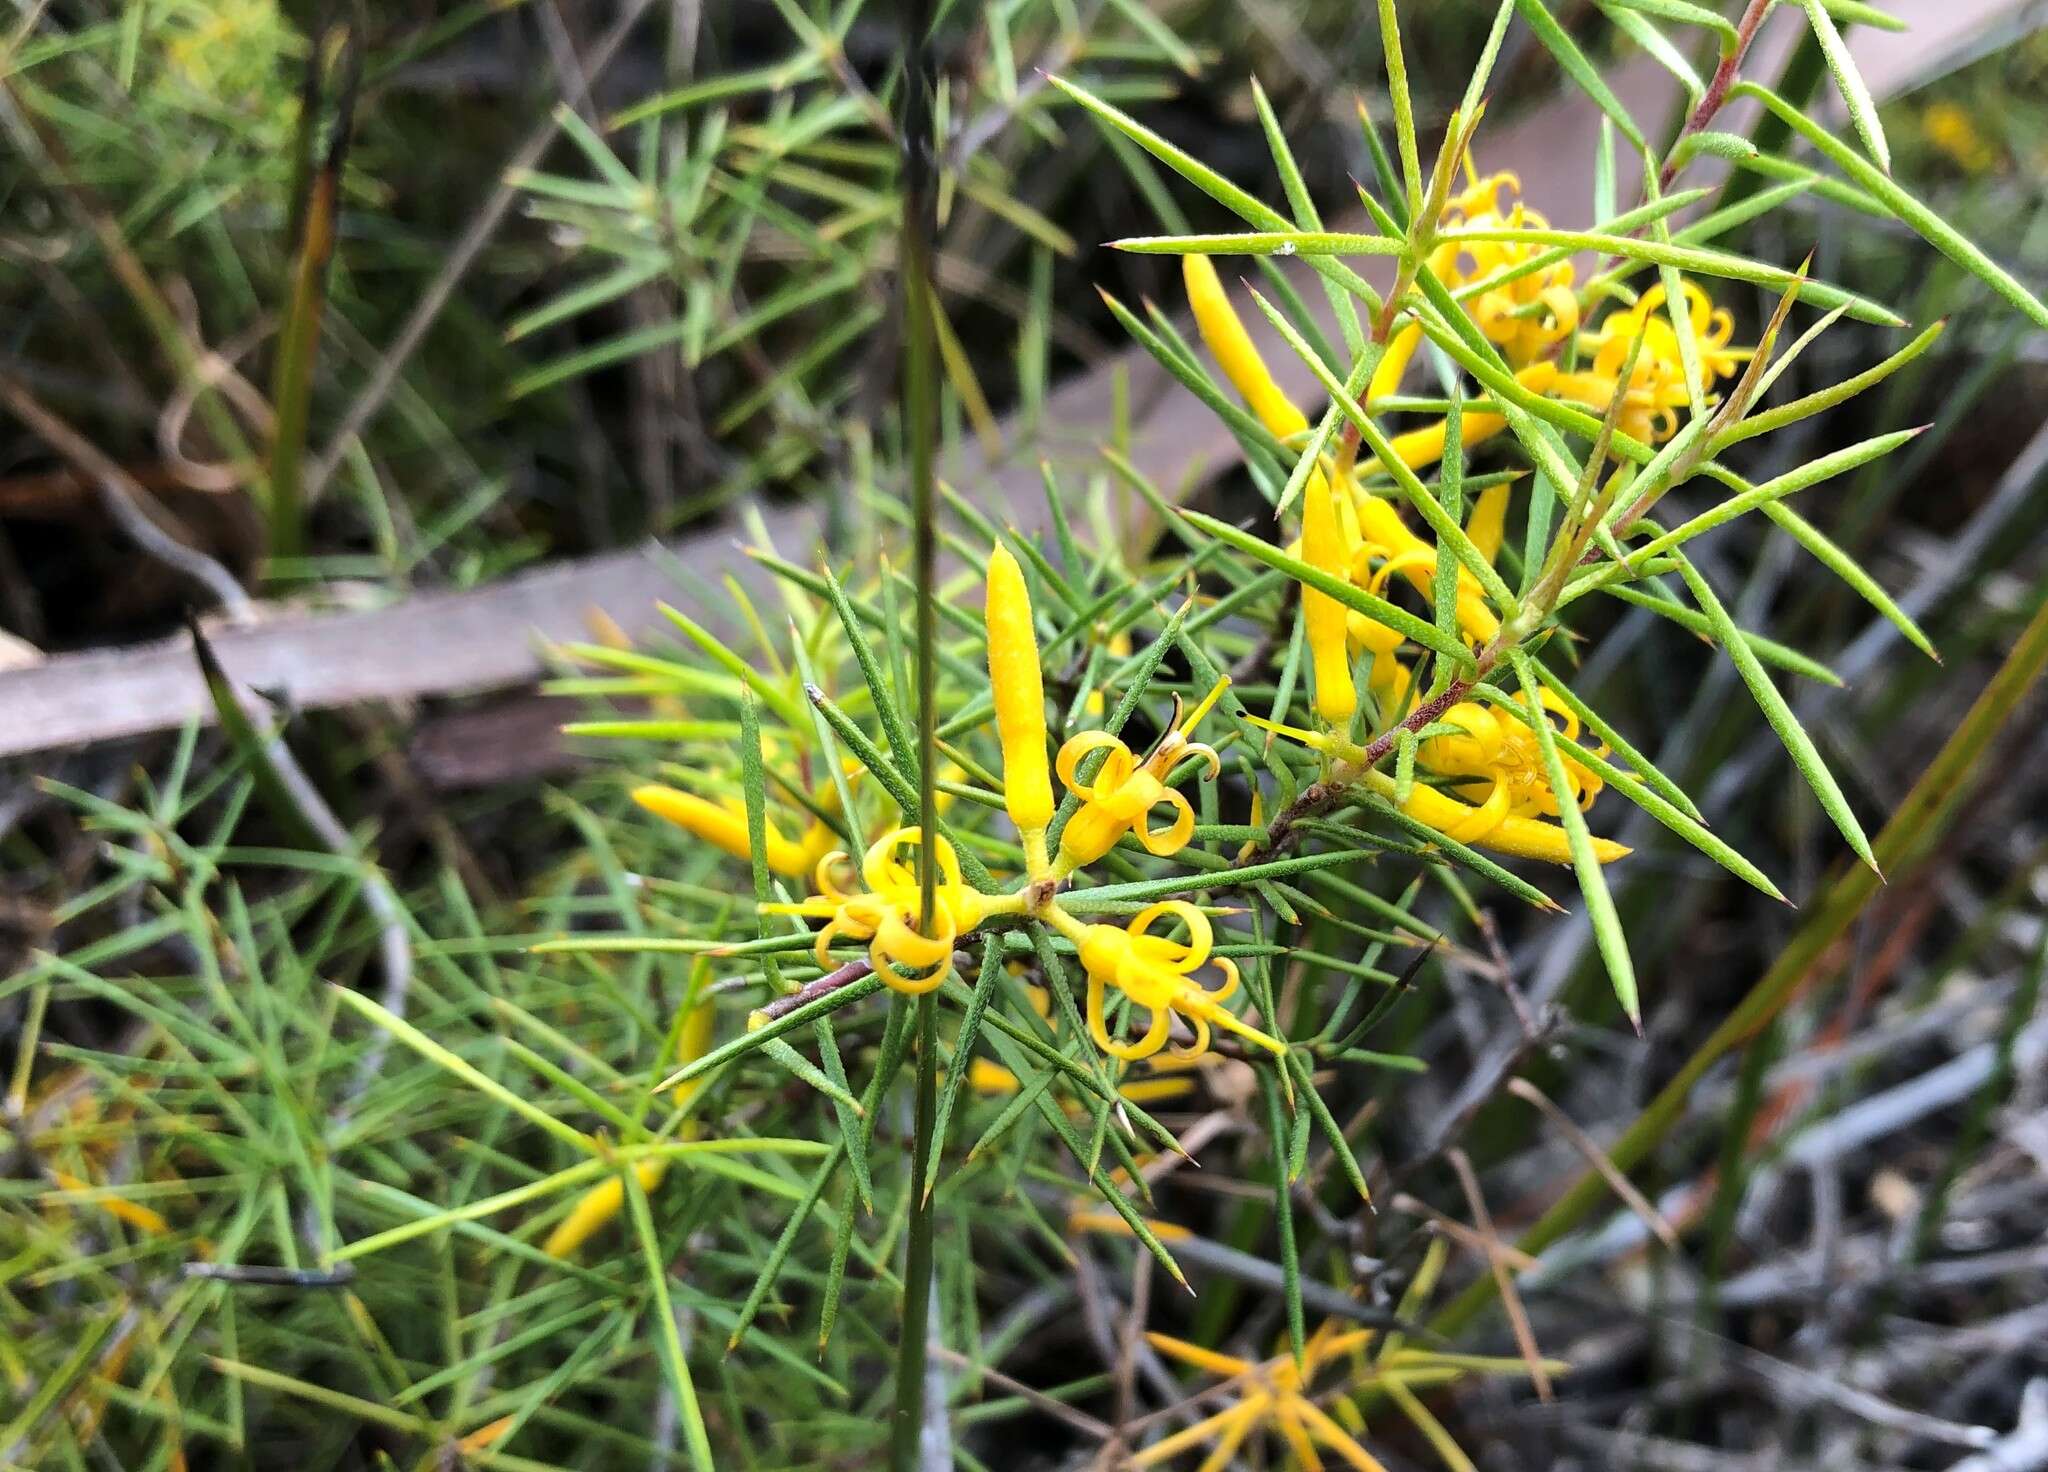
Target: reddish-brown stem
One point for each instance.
(1716, 95)
(1320, 795)
(824, 986)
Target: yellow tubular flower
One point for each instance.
(1500, 750)
(1393, 365)
(1125, 790)
(134, 1213)
(693, 1042)
(1322, 537)
(1417, 448)
(1013, 674)
(1657, 390)
(887, 914)
(1490, 825)
(725, 826)
(1108, 1223)
(1234, 351)
(1489, 521)
(1154, 972)
(598, 1206)
(1327, 620)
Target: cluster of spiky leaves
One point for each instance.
(690, 1025)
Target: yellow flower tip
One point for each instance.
(723, 827)
(597, 1206)
(1234, 351)
(1206, 704)
(758, 1019)
(1017, 684)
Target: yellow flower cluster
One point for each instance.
(1359, 537)
(887, 913)
(1155, 970)
(724, 825)
(1656, 391)
(1279, 1396)
(1526, 318)
(1534, 318)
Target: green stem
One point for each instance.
(908, 1421)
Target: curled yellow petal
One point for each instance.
(1013, 672)
(1525, 838)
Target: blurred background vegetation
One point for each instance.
(608, 271)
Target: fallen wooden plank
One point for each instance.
(491, 638)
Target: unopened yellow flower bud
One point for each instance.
(1013, 674)
(1489, 521)
(598, 1206)
(724, 826)
(1234, 351)
(1322, 547)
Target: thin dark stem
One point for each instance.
(824, 986)
(920, 414)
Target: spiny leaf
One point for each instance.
(1943, 236)
(1600, 912)
(1849, 82)
(1578, 68)
(1805, 755)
